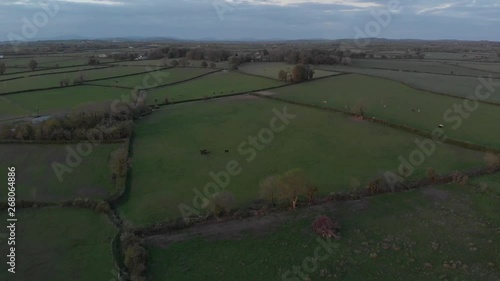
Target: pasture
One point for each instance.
(461, 87)
(437, 233)
(271, 69)
(53, 80)
(37, 180)
(336, 152)
(437, 67)
(213, 85)
(398, 103)
(65, 99)
(60, 245)
(156, 79)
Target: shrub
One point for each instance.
(325, 227)
(223, 203)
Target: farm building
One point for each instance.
(1, 56)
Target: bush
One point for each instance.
(223, 203)
(325, 227)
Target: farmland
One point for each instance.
(149, 80)
(38, 180)
(419, 235)
(397, 103)
(234, 129)
(62, 244)
(329, 146)
(461, 87)
(213, 85)
(272, 69)
(65, 99)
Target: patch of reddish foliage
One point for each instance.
(325, 227)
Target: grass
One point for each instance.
(394, 102)
(9, 74)
(60, 245)
(149, 80)
(36, 179)
(217, 84)
(9, 109)
(49, 81)
(64, 99)
(271, 69)
(461, 87)
(493, 68)
(51, 61)
(336, 152)
(195, 63)
(417, 66)
(409, 236)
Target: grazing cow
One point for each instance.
(204, 152)
(441, 126)
(226, 151)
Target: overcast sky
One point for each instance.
(262, 19)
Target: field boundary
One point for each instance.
(172, 226)
(48, 142)
(459, 143)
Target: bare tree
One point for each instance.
(291, 186)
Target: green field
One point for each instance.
(397, 103)
(37, 180)
(457, 56)
(461, 87)
(438, 233)
(75, 70)
(9, 109)
(332, 149)
(50, 61)
(217, 84)
(271, 69)
(64, 99)
(49, 81)
(494, 68)
(60, 245)
(161, 62)
(417, 66)
(158, 79)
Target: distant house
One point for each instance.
(1, 56)
(102, 56)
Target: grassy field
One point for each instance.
(9, 109)
(64, 99)
(439, 233)
(334, 151)
(461, 87)
(49, 81)
(417, 66)
(397, 103)
(148, 80)
(50, 61)
(455, 56)
(60, 245)
(217, 84)
(271, 69)
(75, 70)
(494, 68)
(38, 181)
(195, 63)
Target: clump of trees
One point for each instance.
(3, 68)
(287, 188)
(301, 73)
(93, 61)
(204, 64)
(33, 64)
(64, 82)
(325, 227)
(135, 256)
(174, 63)
(84, 124)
